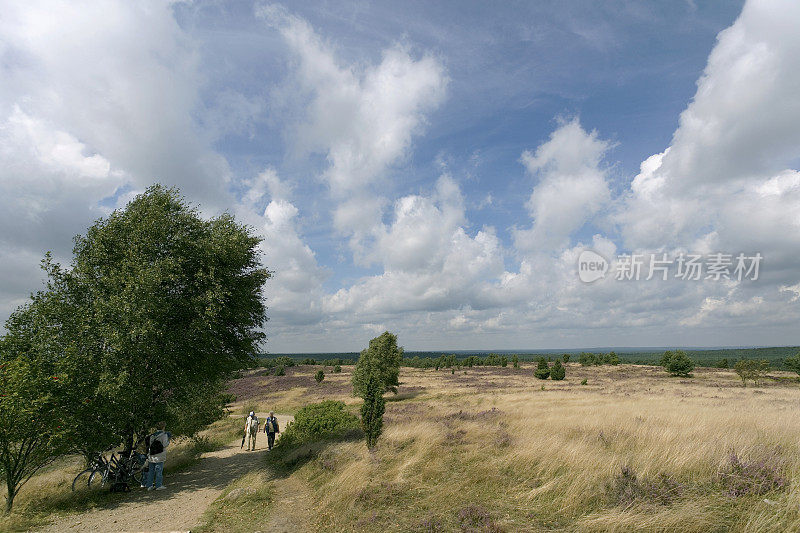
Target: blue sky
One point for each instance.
(434, 169)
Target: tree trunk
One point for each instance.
(10, 498)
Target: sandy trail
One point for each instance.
(181, 505)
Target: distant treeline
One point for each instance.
(723, 358)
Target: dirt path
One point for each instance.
(180, 506)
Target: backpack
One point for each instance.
(254, 424)
(156, 446)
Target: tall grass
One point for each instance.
(535, 460)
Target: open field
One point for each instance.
(492, 449)
(487, 449)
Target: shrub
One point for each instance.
(542, 370)
(319, 376)
(504, 361)
(627, 488)
(586, 359)
(723, 363)
(280, 371)
(584, 381)
(474, 519)
(756, 476)
(337, 369)
(565, 358)
(515, 361)
(677, 363)
(612, 358)
(793, 363)
(308, 361)
(752, 369)
(319, 421)
(557, 373)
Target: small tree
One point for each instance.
(677, 363)
(557, 373)
(280, 371)
(319, 376)
(504, 361)
(373, 408)
(34, 398)
(752, 369)
(542, 370)
(337, 369)
(723, 363)
(515, 361)
(613, 358)
(383, 357)
(565, 357)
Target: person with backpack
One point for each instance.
(156, 455)
(271, 428)
(251, 430)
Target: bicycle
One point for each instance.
(115, 472)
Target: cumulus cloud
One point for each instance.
(571, 189)
(294, 294)
(361, 117)
(430, 261)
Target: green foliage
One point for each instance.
(515, 361)
(793, 363)
(542, 370)
(723, 363)
(584, 381)
(557, 373)
(382, 357)
(319, 376)
(372, 409)
(677, 363)
(337, 369)
(280, 371)
(33, 431)
(565, 357)
(308, 361)
(318, 421)
(504, 361)
(751, 369)
(158, 308)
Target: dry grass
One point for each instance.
(533, 460)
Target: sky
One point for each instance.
(435, 169)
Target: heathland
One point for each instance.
(609, 448)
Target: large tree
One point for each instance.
(172, 303)
(156, 310)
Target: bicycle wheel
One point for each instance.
(97, 479)
(82, 479)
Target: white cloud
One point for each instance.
(571, 189)
(294, 294)
(430, 262)
(361, 117)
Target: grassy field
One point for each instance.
(494, 449)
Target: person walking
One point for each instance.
(271, 428)
(156, 455)
(251, 430)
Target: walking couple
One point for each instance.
(251, 426)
